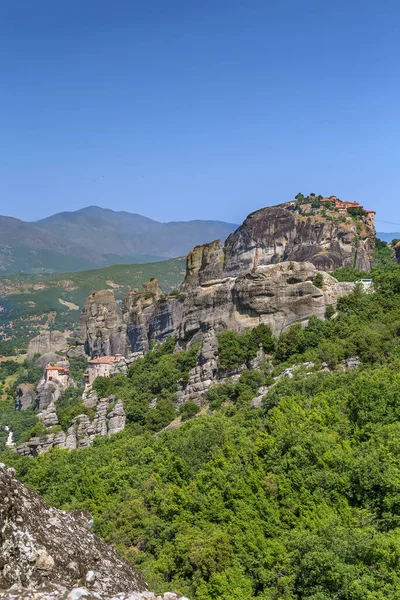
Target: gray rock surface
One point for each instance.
(109, 419)
(277, 233)
(25, 396)
(263, 274)
(42, 545)
(47, 341)
(102, 331)
(277, 295)
(45, 359)
(149, 314)
(49, 416)
(60, 592)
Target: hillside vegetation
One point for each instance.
(296, 499)
(29, 303)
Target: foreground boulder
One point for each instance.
(40, 544)
(48, 553)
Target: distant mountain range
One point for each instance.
(388, 237)
(95, 237)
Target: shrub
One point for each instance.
(318, 280)
(357, 211)
(329, 311)
(189, 410)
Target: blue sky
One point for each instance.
(185, 109)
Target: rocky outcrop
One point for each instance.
(47, 341)
(278, 233)
(204, 263)
(204, 373)
(397, 252)
(149, 315)
(277, 295)
(42, 545)
(102, 330)
(265, 273)
(109, 418)
(45, 359)
(25, 396)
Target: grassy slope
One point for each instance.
(28, 302)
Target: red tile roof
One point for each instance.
(55, 368)
(102, 360)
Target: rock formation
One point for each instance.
(397, 252)
(47, 341)
(48, 553)
(277, 295)
(25, 396)
(109, 418)
(148, 315)
(101, 326)
(279, 233)
(266, 273)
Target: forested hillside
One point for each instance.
(296, 499)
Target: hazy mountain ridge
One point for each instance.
(95, 237)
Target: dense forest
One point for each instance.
(296, 499)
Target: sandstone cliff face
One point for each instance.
(277, 295)
(204, 263)
(148, 315)
(276, 233)
(47, 341)
(101, 327)
(264, 274)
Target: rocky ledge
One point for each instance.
(47, 553)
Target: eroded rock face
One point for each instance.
(40, 544)
(109, 418)
(102, 330)
(277, 295)
(25, 396)
(47, 341)
(264, 274)
(204, 263)
(276, 233)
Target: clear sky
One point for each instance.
(183, 109)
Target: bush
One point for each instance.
(357, 212)
(235, 350)
(318, 280)
(329, 311)
(189, 410)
